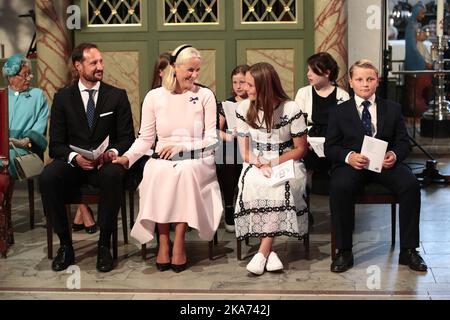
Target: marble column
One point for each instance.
(330, 28)
(53, 46)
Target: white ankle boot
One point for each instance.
(257, 264)
(273, 262)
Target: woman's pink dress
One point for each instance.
(183, 190)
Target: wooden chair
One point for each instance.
(5, 179)
(89, 195)
(305, 238)
(132, 182)
(6, 231)
(374, 193)
(30, 184)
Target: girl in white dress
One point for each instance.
(271, 130)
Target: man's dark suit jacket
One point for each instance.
(346, 133)
(69, 125)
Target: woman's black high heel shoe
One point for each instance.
(177, 268)
(91, 229)
(163, 266)
(77, 226)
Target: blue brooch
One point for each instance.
(193, 100)
(284, 118)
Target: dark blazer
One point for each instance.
(346, 133)
(69, 125)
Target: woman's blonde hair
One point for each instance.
(178, 57)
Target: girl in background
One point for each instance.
(229, 163)
(316, 100)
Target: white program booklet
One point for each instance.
(282, 173)
(316, 144)
(92, 154)
(230, 114)
(375, 150)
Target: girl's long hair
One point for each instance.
(269, 93)
(161, 63)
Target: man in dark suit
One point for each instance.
(83, 115)
(367, 114)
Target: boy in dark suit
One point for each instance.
(83, 115)
(367, 114)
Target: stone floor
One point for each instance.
(26, 273)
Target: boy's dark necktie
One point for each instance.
(366, 118)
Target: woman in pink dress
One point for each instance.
(179, 182)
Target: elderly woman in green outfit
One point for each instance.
(28, 117)
(27, 108)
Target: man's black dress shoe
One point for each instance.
(343, 262)
(104, 259)
(412, 259)
(64, 258)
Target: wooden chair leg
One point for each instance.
(306, 243)
(210, 249)
(144, 251)
(157, 234)
(8, 224)
(131, 199)
(393, 223)
(115, 243)
(212, 243)
(239, 249)
(4, 231)
(30, 183)
(123, 210)
(5, 218)
(308, 205)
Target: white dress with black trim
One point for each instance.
(262, 209)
